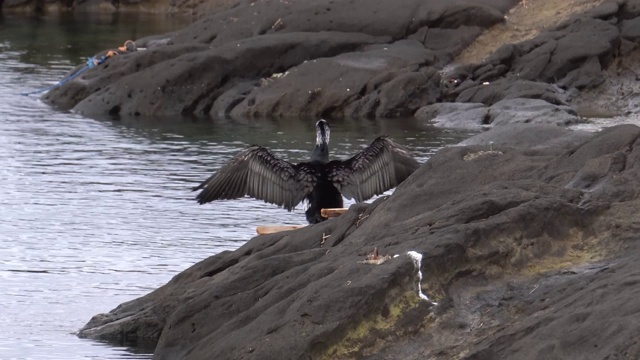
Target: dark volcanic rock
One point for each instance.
(455, 115)
(553, 54)
(377, 81)
(508, 111)
(630, 9)
(526, 111)
(534, 136)
(491, 93)
(191, 81)
(530, 252)
(446, 43)
(358, 58)
(295, 54)
(631, 29)
(556, 65)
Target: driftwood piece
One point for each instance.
(333, 212)
(270, 229)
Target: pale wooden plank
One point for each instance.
(270, 229)
(333, 212)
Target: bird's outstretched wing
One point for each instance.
(256, 172)
(381, 166)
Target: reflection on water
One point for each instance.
(97, 212)
(47, 40)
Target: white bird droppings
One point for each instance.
(417, 263)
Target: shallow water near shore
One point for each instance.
(96, 212)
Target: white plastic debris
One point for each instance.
(417, 263)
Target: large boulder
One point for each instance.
(529, 252)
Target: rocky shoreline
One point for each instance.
(527, 232)
(530, 251)
(308, 59)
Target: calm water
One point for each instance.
(97, 212)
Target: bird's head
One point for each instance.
(323, 132)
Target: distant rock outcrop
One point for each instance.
(355, 59)
(48, 7)
(530, 251)
(331, 58)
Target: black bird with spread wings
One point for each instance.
(256, 172)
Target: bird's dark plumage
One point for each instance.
(256, 172)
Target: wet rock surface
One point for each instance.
(529, 251)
